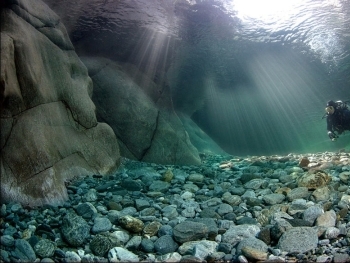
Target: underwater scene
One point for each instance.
(175, 131)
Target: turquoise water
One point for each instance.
(254, 75)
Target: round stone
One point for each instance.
(131, 223)
(100, 245)
(45, 248)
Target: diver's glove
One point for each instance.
(332, 136)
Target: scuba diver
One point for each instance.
(338, 118)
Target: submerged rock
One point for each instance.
(75, 229)
(49, 131)
(298, 240)
(314, 180)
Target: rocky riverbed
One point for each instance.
(292, 208)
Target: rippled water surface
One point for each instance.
(322, 26)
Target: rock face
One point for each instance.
(146, 125)
(49, 130)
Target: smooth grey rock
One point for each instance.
(3, 210)
(215, 201)
(235, 234)
(4, 255)
(130, 211)
(165, 244)
(224, 247)
(86, 210)
(150, 211)
(296, 208)
(298, 240)
(16, 207)
(190, 231)
(147, 245)
(200, 251)
(225, 224)
(165, 230)
(211, 224)
(170, 212)
(253, 243)
(131, 185)
(196, 178)
(223, 209)
(24, 251)
(141, 204)
(298, 193)
(273, 199)
(72, 257)
(47, 260)
(159, 186)
(101, 224)
(218, 256)
(7, 240)
(187, 247)
(117, 254)
(209, 212)
(10, 230)
(188, 212)
(133, 243)
(237, 191)
(88, 258)
(313, 212)
(170, 257)
(245, 220)
(286, 178)
(232, 200)
(280, 227)
(63, 138)
(254, 184)
(113, 216)
(249, 194)
(121, 236)
(341, 258)
(248, 177)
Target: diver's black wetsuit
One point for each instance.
(338, 121)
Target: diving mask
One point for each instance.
(329, 109)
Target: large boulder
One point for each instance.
(147, 127)
(49, 130)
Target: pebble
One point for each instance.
(45, 248)
(101, 224)
(75, 229)
(326, 219)
(72, 257)
(165, 244)
(100, 245)
(7, 241)
(118, 254)
(133, 243)
(189, 231)
(234, 209)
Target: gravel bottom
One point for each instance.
(292, 208)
